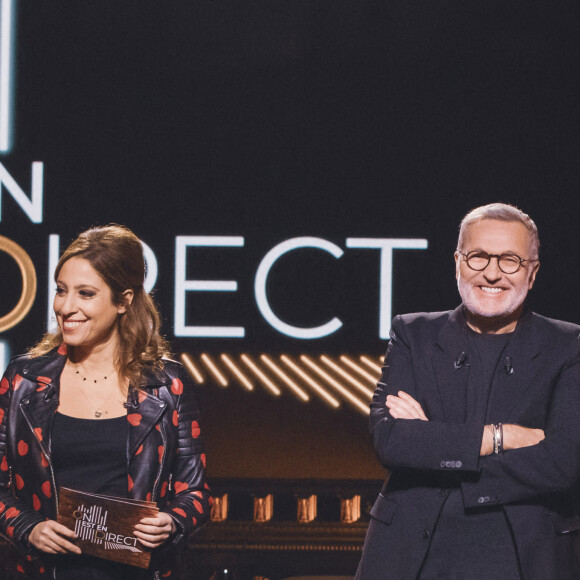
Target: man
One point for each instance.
(477, 419)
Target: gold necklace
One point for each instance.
(95, 381)
(99, 410)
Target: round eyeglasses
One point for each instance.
(507, 263)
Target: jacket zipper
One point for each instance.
(156, 575)
(158, 478)
(48, 459)
(51, 469)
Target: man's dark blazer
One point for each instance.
(538, 386)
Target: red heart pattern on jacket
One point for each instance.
(134, 419)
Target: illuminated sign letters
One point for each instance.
(4, 355)
(386, 246)
(6, 68)
(32, 206)
(260, 287)
(183, 285)
(28, 274)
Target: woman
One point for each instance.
(95, 406)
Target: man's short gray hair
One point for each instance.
(505, 213)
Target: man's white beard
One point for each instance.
(507, 305)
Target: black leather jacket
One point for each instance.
(165, 459)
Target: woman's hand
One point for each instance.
(51, 537)
(152, 532)
(403, 406)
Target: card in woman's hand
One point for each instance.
(104, 525)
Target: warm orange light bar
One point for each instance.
(242, 378)
(269, 384)
(376, 367)
(357, 384)
(214, 370)
(192, 369)
(344, 392)
(328, 398)
(301, 394)
(372, 379)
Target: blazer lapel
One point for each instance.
(451, 367)
(516, 370)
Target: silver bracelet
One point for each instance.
(497, 438)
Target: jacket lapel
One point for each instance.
(451, 366)
(39, 403)
(144, 411)
(516, 374)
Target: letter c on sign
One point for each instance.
(261, 281)
(28, 273)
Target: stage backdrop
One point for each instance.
(297, 171)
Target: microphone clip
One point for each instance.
(509, 369)
(460, 361)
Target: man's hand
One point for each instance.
(514, 437)
(152, 532)
(403, 406)
(51, 537)
(487, 441)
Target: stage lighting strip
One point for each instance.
(335, 380)
(214, 370)
(374, 366)
(291, 384)
(360, 370)
(239, 374)
(265, 380)
(329, 399)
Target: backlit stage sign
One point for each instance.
(7, 33)
(184, 286)
(264, 369)
(311, 374)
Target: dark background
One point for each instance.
(277, 119)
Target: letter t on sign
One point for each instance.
(386, 246)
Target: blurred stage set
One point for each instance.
(297, 171)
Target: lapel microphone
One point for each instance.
(49, 393)
(461, 358)
(509, 370)
(134, 404)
